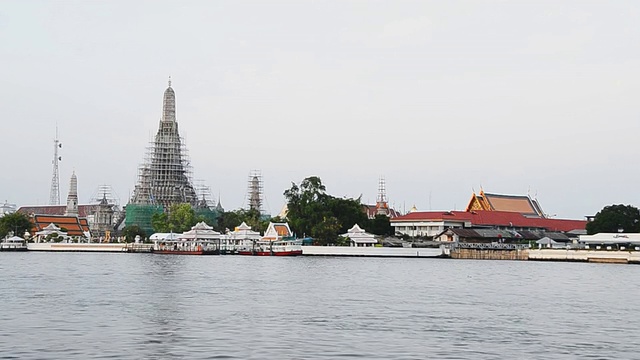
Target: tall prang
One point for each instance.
(164, 178)
(255, 191)
(72, 197)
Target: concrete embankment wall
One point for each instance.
(77, 247)
(623, 257)
(490, 254)
(370, 251)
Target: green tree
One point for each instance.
(160, 222)
(180, 218)
(615, 218)
(313, 212)
(130, 232)
(348, 212)
(228, 220)
(306, 206)
(17, 223)
(380, 225)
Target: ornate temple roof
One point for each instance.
(522, 204)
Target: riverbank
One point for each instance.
(597, 256)
(374, 251)
(89, 247)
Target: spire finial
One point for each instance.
(169, 80)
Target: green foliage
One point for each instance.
(613, 218)
(180, 218)
(348, 212)
(343, 241)
(17, 223)
(160, 222)
(228, 220)
(130, 232)
(380, 225)
(312, 212)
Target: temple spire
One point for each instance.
(72, 198)
(169, 104)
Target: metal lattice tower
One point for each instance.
(54, 194)
(255, 190)
(165, 176)
(382, 207)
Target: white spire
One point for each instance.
(72, 198)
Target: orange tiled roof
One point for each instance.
(75, 226)
(522, 204)
(281, 230)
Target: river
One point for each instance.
(149, 306)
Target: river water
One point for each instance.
(146, 306)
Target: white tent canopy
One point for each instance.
(200, 231)
(14, 239)
(164, 236)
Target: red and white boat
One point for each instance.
(200, 240)
(186, 247)
(285, 247)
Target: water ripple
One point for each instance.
(122, 306)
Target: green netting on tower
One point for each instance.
(141, 215)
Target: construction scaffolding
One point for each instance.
(105, 211)
(141, 215)
(255, 191)
(165, 177)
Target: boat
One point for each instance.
(186, 247)
(284, 247)
(278, 240)
(200, 240)
(14, 243)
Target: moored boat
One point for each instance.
(278, 240)
(288, 247)
(200, 240)
(14, 243)
(186, 247)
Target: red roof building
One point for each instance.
(72, 225)
(83, 210)
(431, 223)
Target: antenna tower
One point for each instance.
(54, 195)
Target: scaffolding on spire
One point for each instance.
(165, 177)
(255, 191)
(54, 194)
(382, 207)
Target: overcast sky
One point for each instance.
(437, 97)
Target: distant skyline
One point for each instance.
(439, 98)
